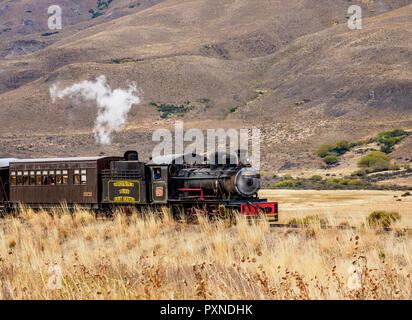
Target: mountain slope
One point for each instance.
(292, 68)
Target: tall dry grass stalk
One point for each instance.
(151, 256)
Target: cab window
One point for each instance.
(157, 174)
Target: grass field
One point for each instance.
(340, 205)
(79, 256)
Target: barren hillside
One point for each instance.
(292, 68)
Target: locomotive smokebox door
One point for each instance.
(159, 176)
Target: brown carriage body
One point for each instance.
(55, 181)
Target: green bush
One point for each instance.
(390, 138)
(354, 182)
(331, 158)
(316, 177)
(324, 150)
(375, 160)
(342, 146)
(382, 218)
(358, 173)
(333, 180)
(285, 184)
(167, 109)
(287, 177)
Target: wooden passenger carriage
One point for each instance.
(53, 181)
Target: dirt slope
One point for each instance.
(292, 68)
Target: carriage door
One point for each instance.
(159, 184)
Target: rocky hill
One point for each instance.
(291, 68)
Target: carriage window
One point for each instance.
(38, 177)
(32, 178)
(76, 177)
(52, 180)
(19, 178)
(25, 177)
(84, 176)
(58, 177)
(65, 179)
(45, 180)
(13, 179)
(65, 172)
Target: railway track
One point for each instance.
(295, 226)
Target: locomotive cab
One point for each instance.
(158, 186)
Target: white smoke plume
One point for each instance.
(113, 105)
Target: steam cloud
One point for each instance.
(113, 105)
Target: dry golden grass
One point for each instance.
(154, 257)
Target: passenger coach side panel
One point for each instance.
(54, 183)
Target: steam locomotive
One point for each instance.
(190, 184)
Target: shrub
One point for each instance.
(331, 158)
(342, 146)
(324, 150)
(350, 182)
(285, 184)
(167, 109)
(361, 142)
(308, 220)
(394, 166)
(375, 160)
(316, 177)
(332, 180)
(287, 177)
(354, 182)
(390, 138)
(359, 173)
(382, 218)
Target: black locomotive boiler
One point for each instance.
(189, 184)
